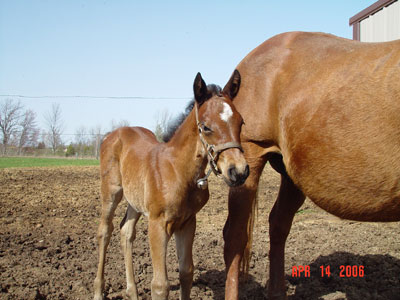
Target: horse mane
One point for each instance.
(174, 124)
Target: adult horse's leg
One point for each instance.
(240, 205)
(184, 243)
(289, 200)
(158, 238)
(128, 234)
(111, 195)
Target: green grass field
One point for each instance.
(22, 162)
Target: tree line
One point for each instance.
(21, 135)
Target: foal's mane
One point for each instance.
(174, 124)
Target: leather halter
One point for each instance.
(213, 153)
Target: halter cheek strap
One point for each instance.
(213, 153)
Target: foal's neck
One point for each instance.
(187, 148)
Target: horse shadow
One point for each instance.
(214, 281)
(352, 277)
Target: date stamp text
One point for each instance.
(345, 271)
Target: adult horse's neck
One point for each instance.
(187, 150)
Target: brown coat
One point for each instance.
(325, 111)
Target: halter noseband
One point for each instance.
(213, 153)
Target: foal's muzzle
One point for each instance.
(236, 177)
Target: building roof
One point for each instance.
(370, 10)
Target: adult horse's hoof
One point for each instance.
(277, 296)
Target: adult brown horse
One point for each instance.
(325, 112)
(166, 182)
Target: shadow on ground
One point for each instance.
(381, 278)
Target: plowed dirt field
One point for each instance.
(48, 247)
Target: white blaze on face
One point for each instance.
(226, 113)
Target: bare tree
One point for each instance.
(81, 139)
(28, 132)
(121, 123)
(55, 126)
(162, 123)
(96, 140)
(10, 114)
(44, 140)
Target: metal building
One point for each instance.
(379, 22)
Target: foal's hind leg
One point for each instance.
(128, 234)
(289, 200)
(111, 195)
(184, 244)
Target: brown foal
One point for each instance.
(325, 112)
(166, 182)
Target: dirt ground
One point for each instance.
(48, 248)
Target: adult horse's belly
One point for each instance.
(345, 156)
(332, 107)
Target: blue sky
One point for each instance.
(149, 49)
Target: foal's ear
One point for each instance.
(200, 90)
(232, 87)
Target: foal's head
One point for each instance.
(219, 130)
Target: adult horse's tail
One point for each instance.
(250, 228)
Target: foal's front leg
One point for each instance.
(184, 244)
(158, 238)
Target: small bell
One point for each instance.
(202, 184)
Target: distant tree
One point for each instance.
(70, 150)
(97, 136)
(158, 132)
(162, 122)
(121, 123)
(81, 140)
(44, 140)
(10, 114)
(28, 133)
(55, 126)
(41, 145)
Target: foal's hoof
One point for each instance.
(98, 297)
(131, 293)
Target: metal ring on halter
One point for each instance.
(213, 153)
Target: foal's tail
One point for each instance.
(250, 228)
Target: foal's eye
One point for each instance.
(207, 129)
